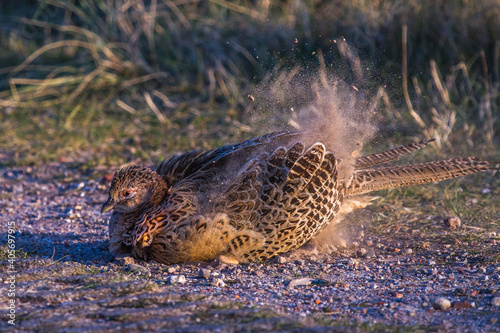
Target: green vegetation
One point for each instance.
(110, 81)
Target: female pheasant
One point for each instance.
(252, 200)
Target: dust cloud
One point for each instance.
(325, 109)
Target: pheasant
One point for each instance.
(252, 200)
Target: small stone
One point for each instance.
(299, 282)
(441, 303)
(485, 191)
(137, 268)
(370, 253)
(171, 270)
(204, 273)
(453, 222)
(279, 260)
(299, 262)
(218, 283)
(481, 270)
(173, 279)
(369, 243)
(408, 251)
(460, 292)
(433, 271)
(353, 262)
(361, 252)
(125, 260)
(259, 273)
(495, 301)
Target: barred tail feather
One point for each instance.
(365, 181)
(389, 155)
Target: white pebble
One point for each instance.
(172, 279)
(441, 303)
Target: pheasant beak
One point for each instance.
(108, 205)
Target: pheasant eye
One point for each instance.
(126, 193)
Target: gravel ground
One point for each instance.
(66, 280)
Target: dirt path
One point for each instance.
(66, 280)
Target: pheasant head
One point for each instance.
(133, 187)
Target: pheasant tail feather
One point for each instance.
(365, 181)
(389, 155)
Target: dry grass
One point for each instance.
(109, 81)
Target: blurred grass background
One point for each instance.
(112, 81)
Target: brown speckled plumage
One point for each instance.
(249, 201)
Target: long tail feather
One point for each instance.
(365, 181)
(389, 155)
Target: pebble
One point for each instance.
(136, 268)
(361, 252)
(408, 251)
(495, 301)
(173, 279)
(441, 303)
(204, 273)
(124, 261)
(299, 282)
(370, 253)
(218, 283)
(453, 222)
(279, 260)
